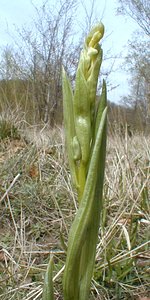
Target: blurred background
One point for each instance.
(38, 37)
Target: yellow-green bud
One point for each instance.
(76, 149)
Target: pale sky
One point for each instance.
(118, 30)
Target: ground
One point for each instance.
(38, 204)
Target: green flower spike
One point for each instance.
(85, 127)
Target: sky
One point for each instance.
(118, 30)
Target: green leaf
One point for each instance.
(69, 124)
(77, 285)
(48, 293)
(101, 106)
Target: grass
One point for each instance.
(37, 211)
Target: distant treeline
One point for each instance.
(39, 101)
(132, 119)
(40, 104)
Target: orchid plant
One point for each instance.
(85, 118)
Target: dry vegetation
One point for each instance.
(38, 205)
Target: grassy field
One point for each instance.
(38, 204)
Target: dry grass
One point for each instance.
(38, 205)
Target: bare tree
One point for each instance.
(137, 61)
(138, 10)
(50, 49)
(39, 54)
